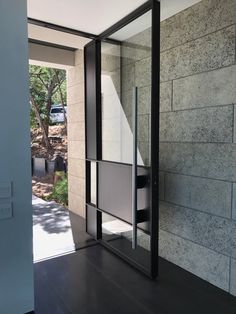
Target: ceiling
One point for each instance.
(95, 16)
(91, 16)
(55, 37)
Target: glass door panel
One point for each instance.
(126, 64)
(126, 109)
(125, 216)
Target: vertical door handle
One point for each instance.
(134, 167)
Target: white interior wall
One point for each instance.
(16, 262)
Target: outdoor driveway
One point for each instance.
(52, 232)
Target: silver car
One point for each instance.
(57, 114)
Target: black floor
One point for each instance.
(94, 281)
(80, 237)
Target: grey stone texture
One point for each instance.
(234, 135)
(206, 89)
(233, 277)
(110, 63)
(126, 102)
(143, 72)
(215, 233)
(144, 149)
(161, 185)
(200, 125)
(210, 52)
(234, 201)
(216, 161)
(144, 100)
(127, 77)
(197, 134)
(136, 71)
(143, 118)
(195, 258)
(204, 18)
(143, 128)
(199, 193)
(165, 96)
(137, 47)
(110, 57)
(197, 141)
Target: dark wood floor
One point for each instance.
(94, 281)
(80, 237)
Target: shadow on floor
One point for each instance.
(52, 217)
(56, 230)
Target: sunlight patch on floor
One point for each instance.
(52, 233)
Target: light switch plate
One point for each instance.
(5, 210)
(5, 190)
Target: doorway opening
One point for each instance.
(48, 122)
(56, 143)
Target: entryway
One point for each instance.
(93, 281)
(56, 230)
(58, 225)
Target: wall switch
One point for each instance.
(5, 190)
(5, 210)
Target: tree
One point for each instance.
(47, 86)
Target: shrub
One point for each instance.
(60, 191)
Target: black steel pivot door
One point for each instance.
(122, 137)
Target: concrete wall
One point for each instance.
(16, 262)
(197, 141)
(76, 136)
(197, 137)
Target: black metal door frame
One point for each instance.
(92, 54)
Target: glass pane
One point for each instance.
(93, 182)
(126, 63)
(118, 235)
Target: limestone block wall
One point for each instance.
(197, 136)
(76, 136)
(198, 143)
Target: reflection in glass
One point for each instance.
(126, 63)
(119, 236)
(93, 182)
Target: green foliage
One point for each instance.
(60, 191)
(33, 120)
(56, 99)
(44, 89)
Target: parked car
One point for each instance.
(57, 114)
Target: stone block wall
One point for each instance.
(76, 136)
(197, 136)
(197, 141)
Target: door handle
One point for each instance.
(134, 167)
(142, 181)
